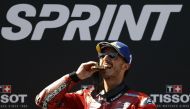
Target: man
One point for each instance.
(115, 60)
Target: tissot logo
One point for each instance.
(124, 16)
(173, 88)
(11, 100)
(5, 88)
(173, 98)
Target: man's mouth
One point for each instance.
(107, 66)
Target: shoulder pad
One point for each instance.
(145, 101)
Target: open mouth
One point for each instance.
(107, 66)
(102, 67)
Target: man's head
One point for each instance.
(116, 56)
(120, 47)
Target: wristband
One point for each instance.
(74, 76)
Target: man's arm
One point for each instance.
(57, 92)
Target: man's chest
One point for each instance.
(123, 102)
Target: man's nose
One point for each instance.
(107, 57)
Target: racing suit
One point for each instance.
(119, 98)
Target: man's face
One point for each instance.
(116, 66)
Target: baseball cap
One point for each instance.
(120, 47)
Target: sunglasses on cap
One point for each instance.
(112, 55)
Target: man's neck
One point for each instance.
(110, 83)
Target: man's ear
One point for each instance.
(126, 66)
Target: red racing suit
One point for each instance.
(59, 98)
